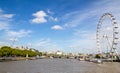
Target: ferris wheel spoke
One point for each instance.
(103, 33)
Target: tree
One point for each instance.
(98, 56)
(8, 51)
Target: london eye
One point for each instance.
(107, 35)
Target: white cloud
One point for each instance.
(43, 17)
(49, 11)
(57, 27)
(53, 19)
(84, 34)
(46, 45)
(4, 16)
(82, 41)
(43, 42)
(56, 19)
(13, 39)
(18, 34)
(39, 20)
(4, 26)
(9, 37)
(77, 18)
(39, 14)
(4, 43)
(39, 17)
(5, 20)
(8, 15)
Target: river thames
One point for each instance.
(57, 66)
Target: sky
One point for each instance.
(51, 25)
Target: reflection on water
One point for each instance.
(57, 66)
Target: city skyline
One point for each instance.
(65, 25)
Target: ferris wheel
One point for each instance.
(101, 34)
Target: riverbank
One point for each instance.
(4, 59)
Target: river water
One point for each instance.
(57, 66)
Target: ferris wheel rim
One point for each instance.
(114, 27)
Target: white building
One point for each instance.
(59, 53)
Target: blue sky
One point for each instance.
(51, 25)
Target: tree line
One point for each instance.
(7, 51)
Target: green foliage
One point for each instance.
(98, 56)
(39, 53)
(8, 51)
